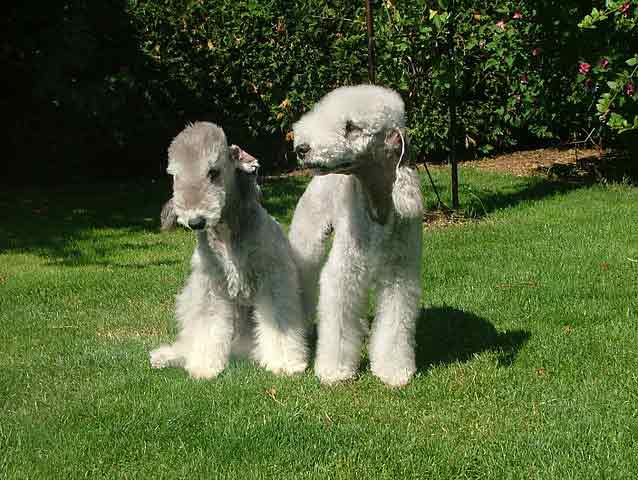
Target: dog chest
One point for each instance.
(229, 271)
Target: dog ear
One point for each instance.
(243, 160)
(396, 145)
(351, 129)
(396, 139)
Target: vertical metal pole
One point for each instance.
(452, 101)
(369, 20)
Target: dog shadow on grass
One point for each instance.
(446, 335)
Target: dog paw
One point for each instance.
(283, 368)
(331, 376)
(203, 373)
(204, 370)
(163, 356)
(394, 377)
(292, 368)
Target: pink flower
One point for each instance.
(536, 52)
(624, 8)
(603, 63)
(524, 79)
(630, 89)
(517, 15)
(583, 68)
(501, 24)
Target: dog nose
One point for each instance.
(197, 223)
(302, 149)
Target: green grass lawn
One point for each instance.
(527, 348)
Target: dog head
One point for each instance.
(349, 127)
(204, 170)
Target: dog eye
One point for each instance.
(351, 128)
(213, 173)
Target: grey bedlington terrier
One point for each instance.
(373, 204)
(243, 288)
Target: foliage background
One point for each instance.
(98, 89)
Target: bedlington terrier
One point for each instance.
(242, 266)
(373, 204)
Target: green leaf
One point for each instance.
(617, 122)
(603, 105)
(632, 62)
(586, 23)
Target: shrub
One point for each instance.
(100, 88)
(257, 66)
(253, 66)
(614, 74)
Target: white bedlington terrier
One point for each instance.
(373, 204)
(243, 289)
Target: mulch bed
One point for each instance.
(534, 162)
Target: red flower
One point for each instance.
(501, 24)
(536, 52)
(630, 89)
(589, 83)
(603, 63)
(583, 68)
(517, 15)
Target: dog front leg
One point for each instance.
(206, 321)
(392, 340)
(391, 347)
(343, 294)
(208, 337)
(309, 233)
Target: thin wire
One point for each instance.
(402, 150)
(436, 191)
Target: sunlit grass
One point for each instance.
(527, 348)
